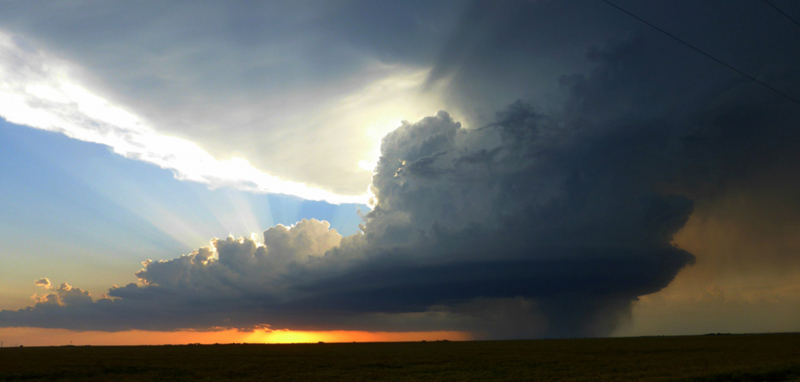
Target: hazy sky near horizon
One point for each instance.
(521, 168)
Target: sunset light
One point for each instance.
(470, 190)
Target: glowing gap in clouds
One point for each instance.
(36, 90)
(57, 337)
(290, 336)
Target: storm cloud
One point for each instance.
(523, 208)
(542, 221)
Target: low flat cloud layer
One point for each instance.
(544, 221)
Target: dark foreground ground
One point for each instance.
(766, 357)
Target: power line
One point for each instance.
(783, 13)
(676, 38)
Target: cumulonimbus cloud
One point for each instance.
(460, 217)
(550, 223)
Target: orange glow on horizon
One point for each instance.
(59, 337)
(289, 336)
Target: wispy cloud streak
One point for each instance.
(39, 90)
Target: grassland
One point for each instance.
(764, 357)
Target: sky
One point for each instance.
(302, 171)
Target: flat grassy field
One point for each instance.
(762, 357)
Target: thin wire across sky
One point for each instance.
(698, 50)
